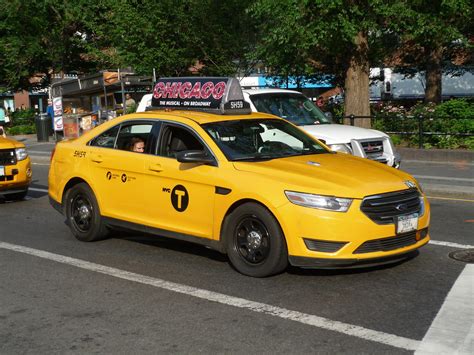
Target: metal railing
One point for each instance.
(409, 125)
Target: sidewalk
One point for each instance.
(441, 172)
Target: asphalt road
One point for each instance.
(139, 294)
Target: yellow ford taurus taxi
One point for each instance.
(15, 169)
(250, 185)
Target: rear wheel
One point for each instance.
(83, 215)
(255, 243)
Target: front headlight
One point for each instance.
(329, 203)
(340, 148)
(21, 154)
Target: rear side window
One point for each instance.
(131, 134)
(106, 139)
(125, 136)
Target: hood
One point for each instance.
(339, 175)
(8, 143)
(338, 133)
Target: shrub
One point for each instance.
(21, 129)
(443, 124)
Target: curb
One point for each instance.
(437, 155)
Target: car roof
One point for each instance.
(199, 117)
(269, 91)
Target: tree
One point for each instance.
(42, 36)
(343, 37)
(430, 32)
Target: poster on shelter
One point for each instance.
(58, 113)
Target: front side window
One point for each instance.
(175, 139)
(262, 139)
(295, 108)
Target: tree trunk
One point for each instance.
(356, 91)
(434, 75)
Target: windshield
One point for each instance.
(295, 108)
(261, 139)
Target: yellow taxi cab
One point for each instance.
(250, 185)
(15, 169)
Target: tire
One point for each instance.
(16, 196)
(255, 242)
(83, 214)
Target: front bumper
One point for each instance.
(315, 263)
(317, 238)
(16, 178)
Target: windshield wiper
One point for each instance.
(259, 157)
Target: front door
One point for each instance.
(181, 195)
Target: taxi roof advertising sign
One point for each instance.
(219, 95)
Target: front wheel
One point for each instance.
(83, 215)
(255, 242)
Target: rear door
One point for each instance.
(118, 173)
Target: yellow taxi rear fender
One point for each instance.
(224, 224)
(70, 184)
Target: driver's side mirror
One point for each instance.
(195, 156)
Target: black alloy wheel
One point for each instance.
(83, 214)
(254, 241)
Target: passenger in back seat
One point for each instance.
(137, 145)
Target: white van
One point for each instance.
(298, 109)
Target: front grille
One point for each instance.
(383, 209)
(7, 157)
(373, 149)
(323, 245)
(6, 178)
(391, 243)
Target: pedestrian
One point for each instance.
(129, 101)
(50, 112)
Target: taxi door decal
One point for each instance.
(179, 198)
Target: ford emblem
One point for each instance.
(402, 207)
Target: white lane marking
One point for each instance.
(452, 331)
(36, 189)
(40, 164)
(39, 152)
(443, 178)
(452, 245)
(304, 318)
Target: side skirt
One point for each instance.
(117, 223)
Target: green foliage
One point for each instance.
(443, 124)
(21, 129)
(23, 117)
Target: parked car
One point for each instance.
(15, 169)
(298, 109)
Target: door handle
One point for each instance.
(155, 167)
(97, 158)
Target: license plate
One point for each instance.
(407, 223)
(2, 170)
